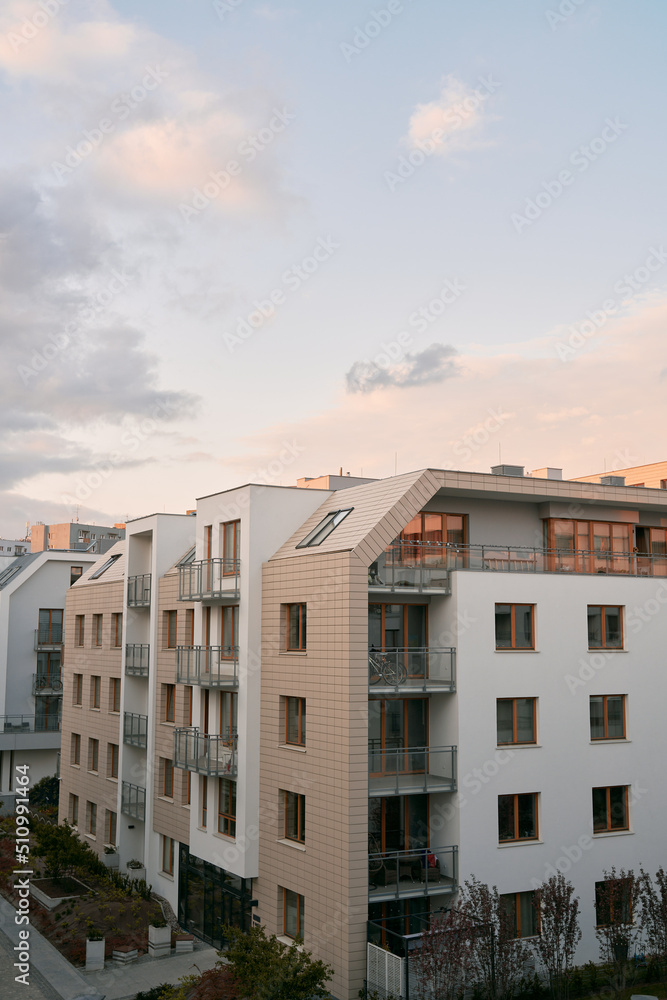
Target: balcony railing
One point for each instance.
(49, 638)
(209, 580)
(208, 666)
(47, 684)
(410, 669)
(133, 800)
(423, 871)
(135, 729)
(137, 657)
(410, 770)
(139, 591)
(425, 566)
(211, 755)
(29, 724)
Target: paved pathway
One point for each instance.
(53, 978)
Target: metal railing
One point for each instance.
(208, 666)
(47, 684)
(420, 871)
(29, 724)
(133, 800)
(426, 565)
(49, 638)
(135, 729)
(209, 579)
(137, 656)
(211, 755)
(416, 668)
(410, 770)
(139, 591)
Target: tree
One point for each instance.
(62, 850)
(653, 910)
(616, 931)
(44, 795)
(498, 957)
(443, 963)
(558, 912)
(267, 969)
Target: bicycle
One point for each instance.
(383, 667)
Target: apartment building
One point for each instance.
(10, 549)
(73, 535)
(652, 476)
(337, 702)
(32, 609)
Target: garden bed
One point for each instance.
(51, 892)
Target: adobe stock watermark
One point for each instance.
(32, 25)
(627, 286)
(366, 33)
(248, 150)
(582, 157)
(225, 7)
(119, 110)
(565, 10)
(453, 118)
(292, 280)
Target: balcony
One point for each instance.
(412, 566)
(426, 871)
(49, 639)
(410, 770)
(209, 580)
(135, 730)
(137, 656)
(47, 684)
(208, 666)
(139, 591)
(133, 801)
(408, 670)
(29, 724)
(211, 755)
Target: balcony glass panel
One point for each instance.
(208, 666)
(135, 729)
(410, 770)
(411, 669)
(30, 723)
(137, 656)
(206, 754)
(209, 580)
(139, 591)
(133, 800)
(418, 872)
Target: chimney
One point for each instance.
(612, 480)
(508, 470)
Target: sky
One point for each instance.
(246, 241)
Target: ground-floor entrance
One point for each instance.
(209, 898)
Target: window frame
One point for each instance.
(169, 703)
(114, 695)
(73, 811)
(170, 629)
(514, 741)
(513, 647)
(294, 802)
(113, 752)
(98, 624)
(518, 839)
(302, 627)
(203, 804)
(95, 692)
(301, 721)
(79, 630)
(77, 690)
(324, 528)
(105, 566)
(227, 807)
(299, 902)
(627, 915)
(117, 629)
(608, 828)
(605, 717)
(167, 855)
(602, 608)
(111, 827)
(234, 558)
(167, 768)
(75, 750)
(516, 913)
(91, 818)
(93, 755)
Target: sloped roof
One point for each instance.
(115, 572)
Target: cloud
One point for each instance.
(433, 364)
(454, 122)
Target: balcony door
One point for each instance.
(398, 823)
(394, 727)
(402, 628)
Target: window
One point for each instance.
(97, 630)
(112, 760)
(296, 626)
(613, 902)
(293, 914)
(604, 627)
(295, 817)
(170, 629)
(110, 827)
(435, 529)
(188, 705)
(295, 721)
(74, 574)
(167, 768)
(663, 484)
(114, 694)
(168, 855)
(231, 547)
(517, 817)
(228, 712)
(189, 627)
(515, 720)
(514, 626)
(79, 628)
(403, 627)
(229, 631)
(169, 702)
(105, 566)
(324, 528)
(227, 807)
(607, 717)
(523, 913)
(74, 809)
(203, 790)
(95, 685)
(117, 629)
(187, 788)
(91, 818)
(77, 689)
(75, 749)
(50, 631)
(610, 808)
(93, 754)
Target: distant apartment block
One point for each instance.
(72, 535)
(323, 708)
(652, 476)
(10, 549)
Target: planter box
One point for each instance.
(94, 955)
(159, 941)
(184, 943)
(124, 955)
(110, 860)
(137, 873)
(48, 900)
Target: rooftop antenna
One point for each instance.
(77, 509)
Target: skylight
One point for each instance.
(188, 557)
(324, 528)
(105, 566)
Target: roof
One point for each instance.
(19, 565)
(115, 572)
